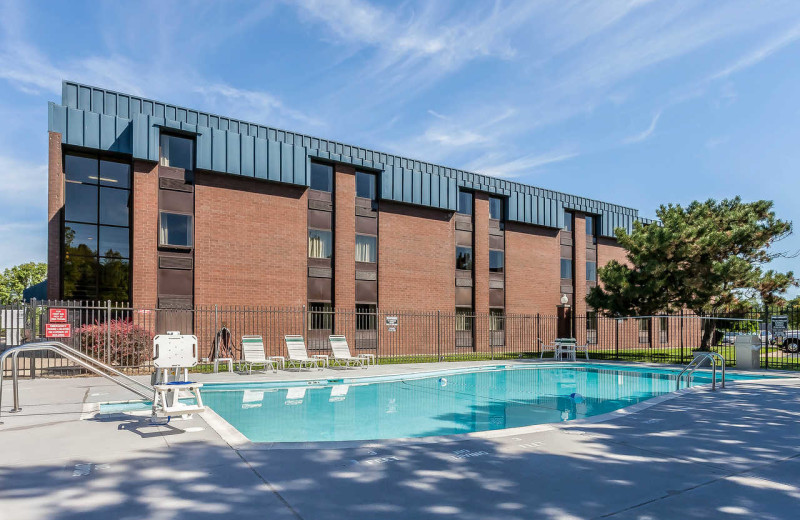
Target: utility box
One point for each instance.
(748, 352)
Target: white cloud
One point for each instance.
(646, 133)
(23, 211)
(493, 163)
(761, 53)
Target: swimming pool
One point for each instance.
(442, 403)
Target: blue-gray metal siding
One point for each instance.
(100, 119)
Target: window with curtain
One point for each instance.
(175, 230)
(497, 320)
(320, 243)
(644, 330)
(177, 152)
(366, 248)
(464, 318)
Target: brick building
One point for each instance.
(168, 207)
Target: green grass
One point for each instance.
(666, 355)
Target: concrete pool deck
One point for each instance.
(734, 453)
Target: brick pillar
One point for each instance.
(480, 276)
(144, 218)
(55, 207)
(579, 299)
(344, 252)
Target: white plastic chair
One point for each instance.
(341, 353)
(296, 348)
(253, 354)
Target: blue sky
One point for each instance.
(634, 102)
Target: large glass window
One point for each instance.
(177, 152)
(365, 185)
(175, 230)
(464, 258)
(591, 271)
(366, 248)
(567, 221)
(496, 208)
(321, 177)
(566, 268)
(320, 243)
(465, 202)
(97, 203)
(496, 261)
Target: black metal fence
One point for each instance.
(121, 335)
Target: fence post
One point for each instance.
(538, 333)
(438, 335)
(616, 338)
(108, 332)
(304, 323)
(216, 329)
(681, 336)
(766, 336)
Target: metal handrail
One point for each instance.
(74, 355)
(695, 363)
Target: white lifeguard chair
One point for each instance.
(176, 353)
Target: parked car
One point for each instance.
(790, 342)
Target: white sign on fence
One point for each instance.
(391, 323)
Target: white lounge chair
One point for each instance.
(296, 348)
(338, 393)
(253, 354)
(341, 353)
(295, 395)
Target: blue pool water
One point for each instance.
(468, 401)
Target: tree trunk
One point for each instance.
(709, 327)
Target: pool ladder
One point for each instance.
(696, 363)
(76, 356)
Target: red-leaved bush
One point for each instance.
(119, 342)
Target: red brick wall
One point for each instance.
(145, 234)
(344, 251)
(481, 252)
(251, 242)
(607, 250)
(55, 206)
(579, 305)
(532, 269)
(417, 260)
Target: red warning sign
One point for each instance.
(58, 330)
(58, 315)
